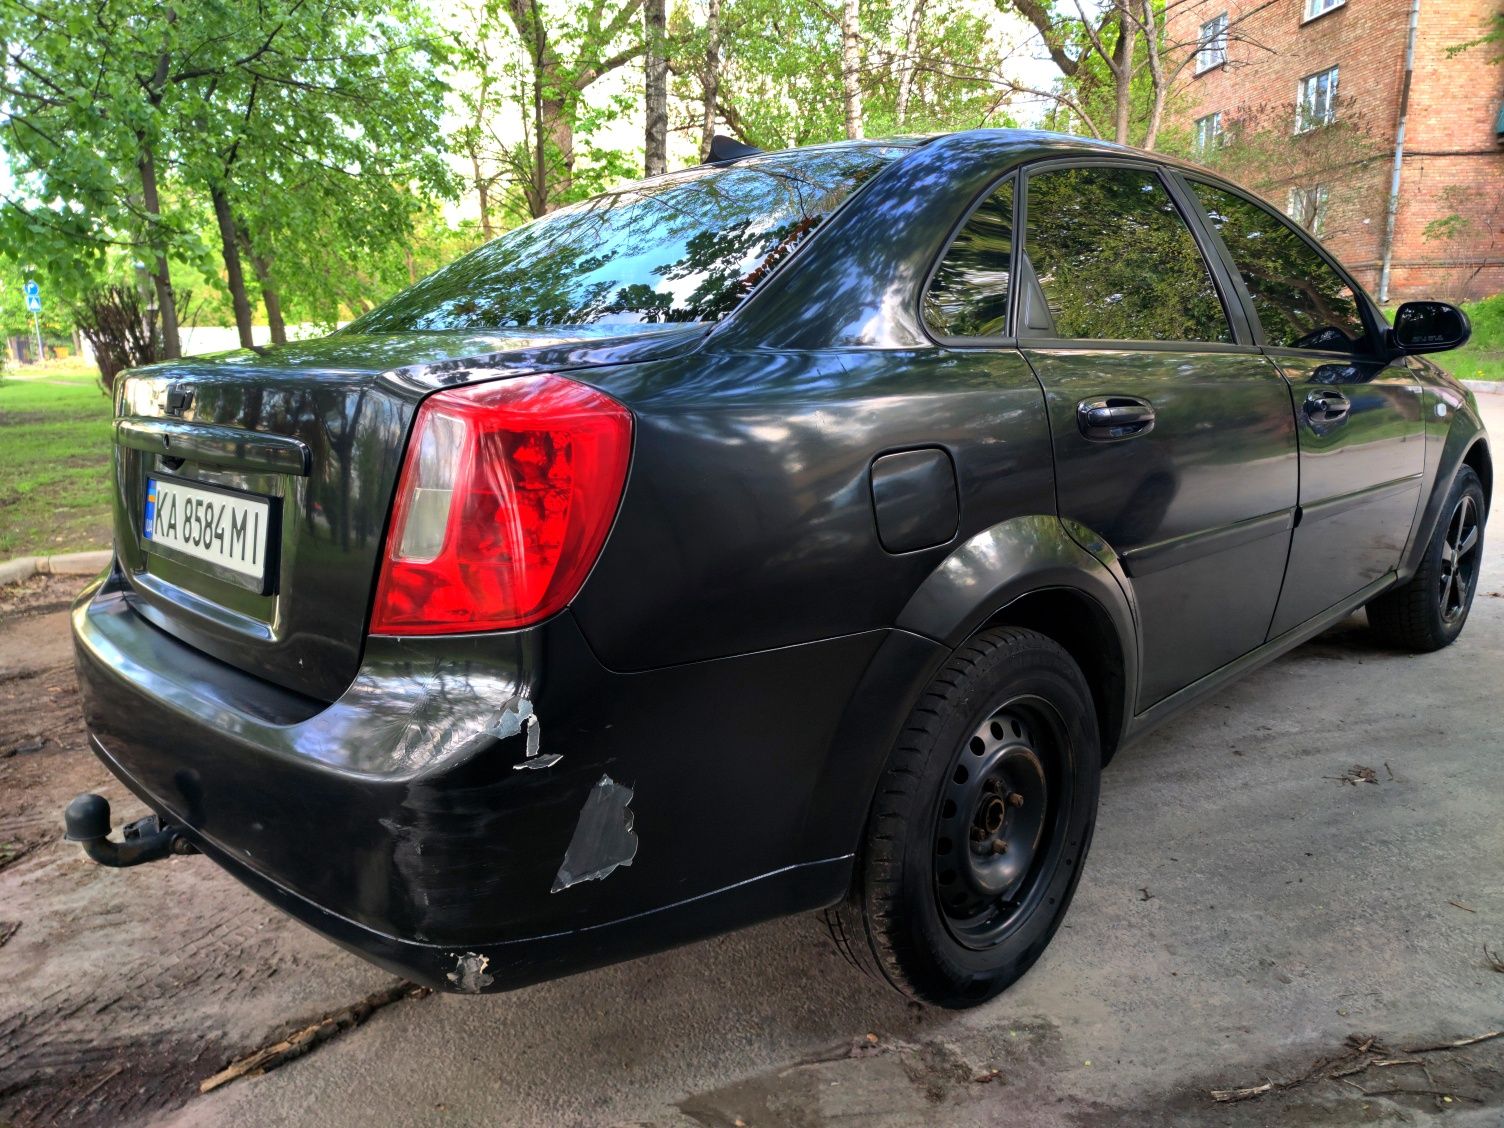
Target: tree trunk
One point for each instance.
(710, 80)
(234, 273)
(851, 66)
(558, 129)
(161, 275)
(483, 192)
(270, 298)
(655, 90)
(907, 63)
(1156, 73)
(1122, 67)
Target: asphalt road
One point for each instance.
(1315, 855)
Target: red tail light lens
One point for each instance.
(505, 499)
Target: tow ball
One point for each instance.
(86, 821)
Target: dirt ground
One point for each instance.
(1297, 884)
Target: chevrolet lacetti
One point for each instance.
(805, 530)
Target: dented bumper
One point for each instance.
(486, 811)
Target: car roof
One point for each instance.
(1016, 146)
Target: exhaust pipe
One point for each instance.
(87, 822)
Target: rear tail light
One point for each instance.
(505, 499)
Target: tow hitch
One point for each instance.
(87, 822)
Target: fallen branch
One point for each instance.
(300, 1042)
(1363, 1054)
(1473, 1041)
(1494, 961)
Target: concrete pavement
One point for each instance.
(1245, 910)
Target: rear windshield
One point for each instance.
(686, 247)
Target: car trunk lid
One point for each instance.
(252, 489)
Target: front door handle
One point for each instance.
(1325, 406)
(1111, 418)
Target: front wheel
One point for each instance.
(1429, 611)
(980, 824)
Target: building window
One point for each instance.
(1208, 133)
(1211, 45)
(1307, 207)
(1316, 8)
(1317, 105)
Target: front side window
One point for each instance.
(1317, 104)
(1208, 134)
(1302, 303)
(686, 247)
(1116, 261)
(1211, 44)
(1307, 207)
(968, 296)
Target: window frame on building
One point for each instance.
(1312, 200)
(1314, 9)
(1210, 139)
(1305, 87)
(1211, 49)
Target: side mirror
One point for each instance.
(1423, 327)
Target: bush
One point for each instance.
(1487, 317)
(122, 333)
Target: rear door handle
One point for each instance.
(1326, 406)
(1111, 418)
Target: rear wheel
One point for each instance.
(980, 825)
(1429, 611)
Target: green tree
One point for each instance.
(524, 71)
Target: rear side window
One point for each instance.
(686, 247)
(968, 296)
(1115, 260)
(1301, 301)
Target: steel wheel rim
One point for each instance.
(1459, 559)
(995, 829)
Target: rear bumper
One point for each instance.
(403, 822)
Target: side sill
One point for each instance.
(1157, 714)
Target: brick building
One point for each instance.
(1303, 101)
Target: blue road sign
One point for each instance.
(33, 297)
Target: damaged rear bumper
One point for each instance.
(487, 811)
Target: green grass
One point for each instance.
(54, 460)
(1482, 358)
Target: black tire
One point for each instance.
(1429, 611)
(1012, 713)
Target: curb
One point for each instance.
(64, 564)
(1485, 385)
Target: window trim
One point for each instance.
(1216, 137)
(1307, 15)
(1372, 320)
(1203, 45)
(1320, 193)
(1213, 255)
(1302, 125)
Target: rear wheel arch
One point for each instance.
(1034, 572)
(1086, 632)
(1026, 572)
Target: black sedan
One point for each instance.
(804, 530)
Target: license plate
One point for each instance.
(221, 532)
